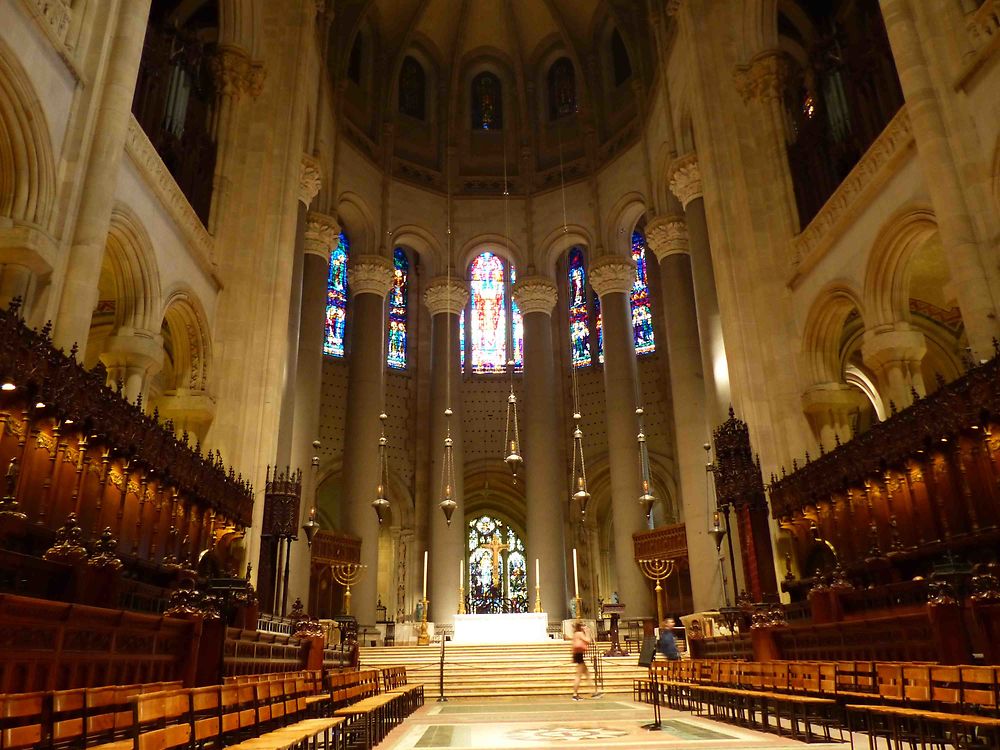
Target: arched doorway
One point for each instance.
(497, 570)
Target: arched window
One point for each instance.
(562, 89)
(599, 325)
(487, 102)
(336, 300)
(412, 89)
(620, 63)
(492, 311)
(642, 316)
(396, 358)
(579, 324)
(498, 579)
(355, 60)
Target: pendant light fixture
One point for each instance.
(646, 499)
(512, 439)
(448, 503)
(381, 502)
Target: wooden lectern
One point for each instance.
(615, 611)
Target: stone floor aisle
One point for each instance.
(612, 722)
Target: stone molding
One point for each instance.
(446, 295)
(235, 73)
(56, 16)
(685, 178)
(612, 274)
(673, 7)
(874, 169)
(322, 232)
(764, 78)
(369, 274)
(536, 294)
(154, 171)
(666, 236)
(310, 179)
(984, 23)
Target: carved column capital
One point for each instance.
(685, 178)
(666, 236)
(673, 7)
(536, 294)
(230, 67)
(369, 274)
(322, 232)
(610, 274)
(446, 295)
(764, 78)
(310, 179)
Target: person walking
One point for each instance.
(581, 642)
(666, 644)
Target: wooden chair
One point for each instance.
(67, 722)
(22, 718)
(163, 720)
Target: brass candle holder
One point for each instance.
(538, 599)
(422, 638)
(461, 600)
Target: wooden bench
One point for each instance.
(394, 680)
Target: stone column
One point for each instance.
(370, 277)
(667, 237)
(83, 269)
(612, 277)
(321, 234)
(894, 356)
(545, 474)
(445, 299)
(829, 406)
(133, 357)
(971, 263)
(685, 183)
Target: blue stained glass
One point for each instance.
(461, 340)
(336, 300)
(579, 327)
(642, 316)
(599, 324)
(489, 314)
(396, 357)
(517, 323)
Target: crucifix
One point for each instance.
(495, 547)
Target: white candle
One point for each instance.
(425, 574)
(537, 584)
(576, 577)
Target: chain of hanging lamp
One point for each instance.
(381, 501)
(448, 503)
(512, 437)
(579, 494)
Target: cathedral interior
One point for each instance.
(358, 320)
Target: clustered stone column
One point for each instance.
(667, 237)
(612, 277)
(445, 298)
(829, 406)
(321, 233)
(544, 473)
(369, 280)
(685, 183)
(132, 358)
(83, 269)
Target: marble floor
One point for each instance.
(613, 722)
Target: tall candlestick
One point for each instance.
(425, 574)
(461, 572)
(536, 573)
(576, 577)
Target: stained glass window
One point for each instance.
(562, 89)
(503, 588)
(642, 316)
(396, 358)
(491, 312)
(579, 325)
(487, 102)
(336, 300)
(599, 324)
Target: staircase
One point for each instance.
(479, 671)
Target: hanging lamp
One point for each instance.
(579, 476)
(448, 503)
(381, 502)
(647, 498)
(512, 440)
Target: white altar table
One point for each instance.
(526, 627)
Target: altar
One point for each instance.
(524, 627)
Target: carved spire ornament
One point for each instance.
(685, 179)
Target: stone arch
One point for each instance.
(27, 171)
(239, 25)
(130, 259)
(559, 242)
(622, 220)
(422, 242)
(358, 223)
(759, 30)
(495, 243)
(887, 274)
(821, 339)
(191, 342)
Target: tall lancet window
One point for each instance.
(579, 323)
(562, 89)
(642, 316)
(599, 324)
(491, 311)
(336, 300)
(498, 580)
(396, 357)
(487, 102)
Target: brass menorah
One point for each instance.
(657, 569)
(347, 574)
